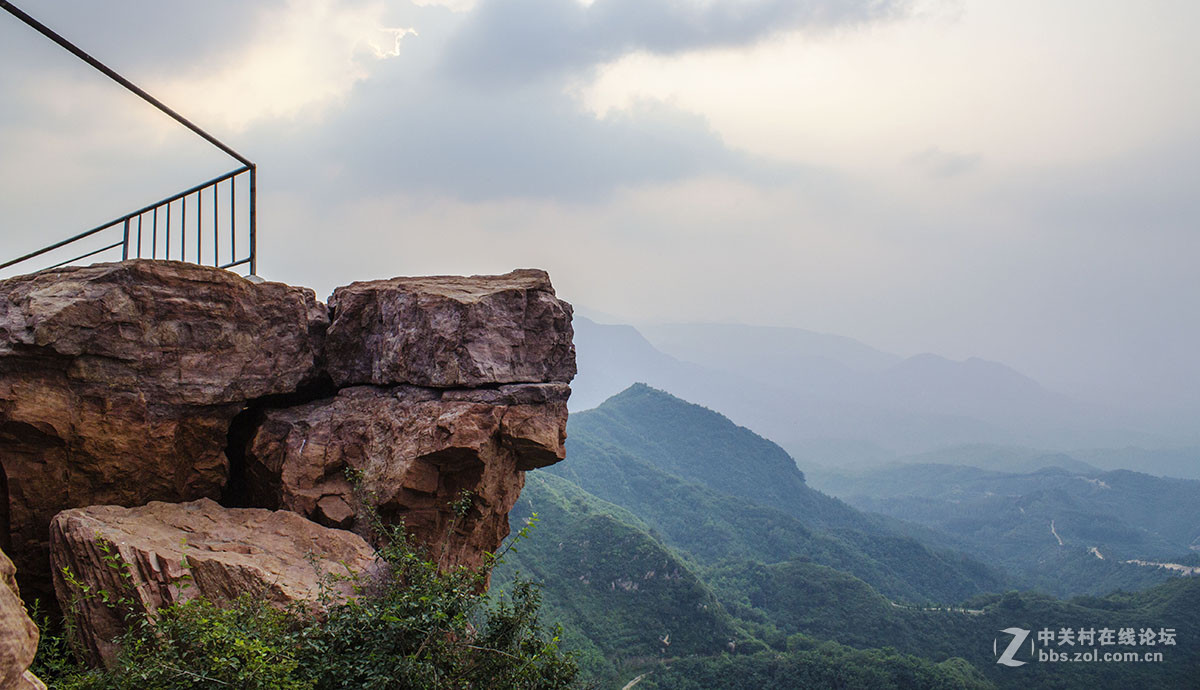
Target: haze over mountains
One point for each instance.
(835, 402)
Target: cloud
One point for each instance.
(159, 37)
(367, 95)
(408, 128)
(935, 162)
(518, 40)
(227, 64)
(306, 57)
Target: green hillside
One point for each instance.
(621, 596)
(690, 441)
(807, 665)
(604, 457)
(1100, 519)
(656, 572)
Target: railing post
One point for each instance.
(233, 218)
(125, 244)
(253, 221)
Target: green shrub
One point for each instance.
(408, 626)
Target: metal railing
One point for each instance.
(153, 224)
(161, 230)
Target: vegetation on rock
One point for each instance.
(411, 625)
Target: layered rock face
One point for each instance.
(118, 383)
(18, 634)
(141, 381)
(276, 555)
(415, 451)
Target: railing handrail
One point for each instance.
(247, 166)
(108, 72)
(122, 219)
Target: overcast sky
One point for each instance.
(1012, 180)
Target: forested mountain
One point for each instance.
(676, 546)
(619, 593)
(718, 491)
(1012, 459)
(1067, 532)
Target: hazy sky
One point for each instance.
(1012, 180)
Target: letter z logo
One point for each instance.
(1018, 638)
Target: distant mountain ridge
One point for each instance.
(833, 401)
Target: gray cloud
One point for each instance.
(518, 40)
(406, 129)
(935, 162)
(150, 36)
(409, 128)
(537, 144)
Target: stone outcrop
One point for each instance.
(277, 555)
(131, 383)
(450, 332)
(415, 450)
(18, 634)
(118, 383)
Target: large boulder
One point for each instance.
(18, 634)
(413, 451)
(137, 555)
(118, 383)
(450, 332)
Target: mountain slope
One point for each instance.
(617, 591)
(793, 598)
(706, 448)
(1067, 532)
(617, 452)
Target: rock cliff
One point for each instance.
(140, 381)
(18, 634)
(416, 450)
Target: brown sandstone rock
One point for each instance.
(229, 551)
(18, 634)
(416, 450)
(118, 383)
(450, 331)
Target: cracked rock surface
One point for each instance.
(140, 381)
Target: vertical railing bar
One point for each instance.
(140, 235)
(216, 227)
(253, 222)
(199, 223)
(167, 252)
(232, 217)
(154, 236)
(125, 244)
(183, 231)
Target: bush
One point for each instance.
(410, 626)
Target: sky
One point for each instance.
(1010, 180)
